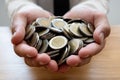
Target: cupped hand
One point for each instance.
(102, 30)
(21, 19)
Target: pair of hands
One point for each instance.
(25, 16)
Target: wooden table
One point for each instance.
(104, 66)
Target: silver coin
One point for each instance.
(59, 37)
(75, 45)
(83, 29)
(58, 23)
(30, 33)
(90, 27)
(43, 22)
(35, 24)
(74, 29)
(66, 34)
(55, 29)
(66, 31)
(28, 29)
(54, 55)
(63, 55)
(58, 42)
(42, 31)
(48, 35)
(34, 40)
(44, 46)
(39, 44)
(53, 52)
(89, 40)
(61, 62)
(68, 51)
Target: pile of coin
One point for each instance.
(59, 37)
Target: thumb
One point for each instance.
(102, 28)
(18, 29)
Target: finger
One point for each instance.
(91, 49)
(18, 28)
(39, 60)
(52, 66)
(84, 61)
(63, 68)
(102, 27)
(73, 60)
(32, 62)
(43, 59)
(24, 50)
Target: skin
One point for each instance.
(31, 57)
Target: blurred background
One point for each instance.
(113, 15)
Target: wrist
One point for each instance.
(98, 5)
(15, 6)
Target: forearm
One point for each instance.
(14, 5)
(101, 5)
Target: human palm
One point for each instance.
(102, 30)
(28, 14)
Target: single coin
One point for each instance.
(90, 27)
(58, 42)
(83, 29)
(34, 23)
(28, 29)
(48, 35)
(54, 55)
(51, 18)
(89, 40)
(63, 55)
(37, 39)
(75, 45)
(66, 31)
(34, 40)
(68, 51)
(39, 44)
(58, 23)
(62, 62)
(55, 29)
(30, 33)
(66, 34)
(42, 30)
(74, 29)
(43, 22)
(53, 52)
(44, 46)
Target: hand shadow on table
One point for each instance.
(76, 73)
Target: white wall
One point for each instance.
(113, 16)
(4, 20)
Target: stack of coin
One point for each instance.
(59, 37)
